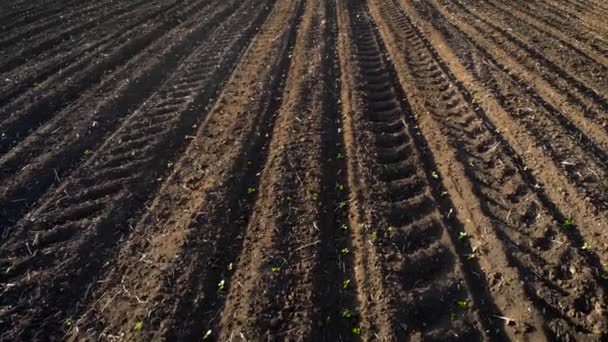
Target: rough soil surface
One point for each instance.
(323, 170)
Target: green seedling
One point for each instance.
(275, 269)
(250, 190)
(289, 198)
(390, 228)
(356, 330)
(315, 197)
(452, 315)
(434, 175)
(67, 322)
(342, 204)
(207, 334)
(344, 251)
(443, 193)
(340, 187)
(138, 325)
(36, 84)
(346, 284)
(339, 156)
(463, 304)
(604, 276)
(462, 235)
(374, 235)
(568, 223)
(249, 163)
(470, 256)
(346, 313)
(586, 246)
(87, 152)
(169, 164)
(221, 284)
(343, 226)
(230, 266)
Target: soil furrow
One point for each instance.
(205, 68)
(524, 219)
(31, 14)
(65, 81)
(591, 68)
(584, 180)
(44, 72)
(567, 46)
(336, 291)
(319, 170)
(438, 301)
(49, 20)
(592, 121)
(84, 125)
(275, 277)
(54, 43)
(572, 151)
(522, 51)
(558, 21)
(212, 214)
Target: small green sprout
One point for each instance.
(289, 198)
(344, 251)
(340, 187)
(452, 315)
(463, 304)
(250, 190)
(138, 325)
(374, 235)
(275, 269)
(586, 246)
(470, 256)
(604, 276)
(315, 197)
(390, 228)
(346, 313)
(356, 330)
(249, 163)
(207, 334)
(230, 266)
(169, 164)
(36, 84)
(87, 152)
(221, 284)
(434, 175)
(462, 235)
(568, 223)
(327, 319)
(340, 156)
(342, 204)
(346, 284)
(67, 322)
(343, 226)
(443, 193)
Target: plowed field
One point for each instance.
(318, 170)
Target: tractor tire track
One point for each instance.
(95, 115)
(197, 221)
(141, 144)
(497, 173)
(63, 69)
(407, 227)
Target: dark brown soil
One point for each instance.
(324, 170)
